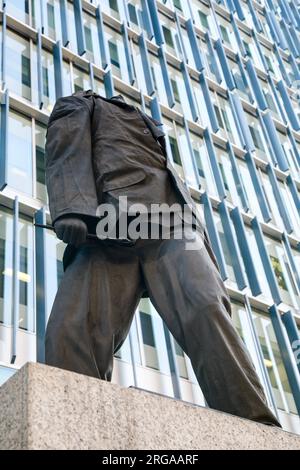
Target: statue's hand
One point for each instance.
(71, 230)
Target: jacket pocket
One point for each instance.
(118, 181)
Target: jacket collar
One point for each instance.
(119, 100)
(154, 125)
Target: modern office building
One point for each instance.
(223, 77)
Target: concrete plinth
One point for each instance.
(47, 408)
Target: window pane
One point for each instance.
(19, 152)
(67, 86)
(148, 340)
(274, 364)
(180, 358)
(71, 28)
(40, 137)
(283, 273)
(48, 86)
(81, 79)
(91, 39)
(52, 20)
(18, 66)
(19, 9)
(26, 300)
(6, 236)
(117, 54)
(54, 266)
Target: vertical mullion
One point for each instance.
(293, 118)
(64, 22)
(155, 109)
(191, 11)
(41, 290)
(260, 356)
(241, 121)
(212, 8)
(255, 18)
(42, 16)
(294, 145)
(275, 94)
(281, 66)
(295, 271)
(133, 359)
(258, 187)
(3, 46)
(190, 146)
(295, 13)
(231, 6)
(237, 35)
(233, 247)
(239, 10)
(126, 13)
(208, 102)
(15, 281)
(194, 45)
(39, 69)
(58, 69)
(216, 67)
(281, 206)
(214, 236)
(109, 84)
(260, 98)
(147, 19)
(172, 363)
(146, 65)
(237, 177)
(280, 203)
(286, 354)
(244, 77)
(33, 156)
(246, 252)
(285, 12)
(102, 40)
(266, 261)
(292, 332)
(189, 91)
(214, 164)
(266, 136)
(178, 26)
(158, 33)
(290, 44)
(293, 188)
(4, 112)
(91, 74)
(128, 55)
(295, 66)
(166, 78)
(295, 39)
(281, 42)
(261, 54)
(156, 114)
(274, 141)
(224, 64)
(81, 46)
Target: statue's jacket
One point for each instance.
(98, 149)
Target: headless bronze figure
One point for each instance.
(98, 149)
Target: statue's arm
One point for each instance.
(69, 169)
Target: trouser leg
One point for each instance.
(187, 290)
(93, 309)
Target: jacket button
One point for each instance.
(146, 131)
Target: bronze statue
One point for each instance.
(97, 151)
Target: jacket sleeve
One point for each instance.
(68, 152)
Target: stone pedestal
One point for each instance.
(47, 408)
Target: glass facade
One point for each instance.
(228, 95)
